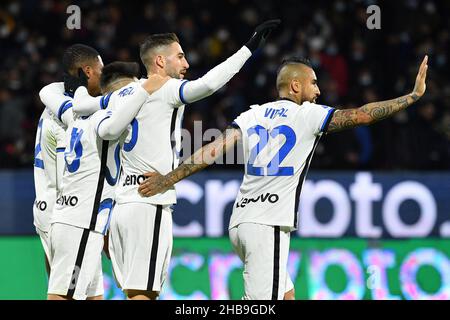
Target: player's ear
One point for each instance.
(160, 61)
(88, 71)
(295, 86)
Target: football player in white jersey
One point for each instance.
(81, 215)
(278, 141)
(48, 169)
(140, 241)
(82, 67)
(50, 136)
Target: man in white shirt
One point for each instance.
(278, 141)
(83, 210)
(140, 242)
(50, 136)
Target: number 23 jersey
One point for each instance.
(278, 139)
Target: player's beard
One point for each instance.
(175, 74)
(313, 99)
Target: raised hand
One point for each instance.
(420, 85)
(71, 83)
(261, 34)
(379, 110)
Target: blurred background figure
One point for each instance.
(375, 196)
(354, 66)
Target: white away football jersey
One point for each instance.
(149, 146)
(50, 139)
(58, 102)
(278, 140)
(93, 166)
(87, 192)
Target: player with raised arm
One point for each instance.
(140, 242)
(50, 136)
(278, 140)
(82, 213)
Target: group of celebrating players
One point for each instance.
(106, 160)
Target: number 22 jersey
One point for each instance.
(279, 139)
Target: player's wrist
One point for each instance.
(415, 96)
(261, 33)
(251, 45)
(247, 49)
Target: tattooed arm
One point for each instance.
(376, 111)
(203, 157)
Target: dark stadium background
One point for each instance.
(354, 65)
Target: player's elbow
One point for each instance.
(106, 132)
(43, 94)
(212, 87)
(364, 118)
(108, 135)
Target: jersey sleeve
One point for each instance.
(191, 91)
(241, 121)
(99, 117)
(55, 99)
(172, 91)
(126, 103)
(85, 105)
(67, 118)
(319, 117)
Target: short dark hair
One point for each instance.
(294, 60)
(76, 55)
(116, 70)
(290, 61)
(154, 41)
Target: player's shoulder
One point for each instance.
(48, 117)
(171, 84)
(55, 87)
(311, 105)
(112, 98)
(49, 123)
(243, 119)
(252, 109)
(127, 89)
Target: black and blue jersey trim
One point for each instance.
(181, 92)
(63, 108)
(327, 120)
(60, 149)
(104, 101)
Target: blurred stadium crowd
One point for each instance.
(354, 66)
